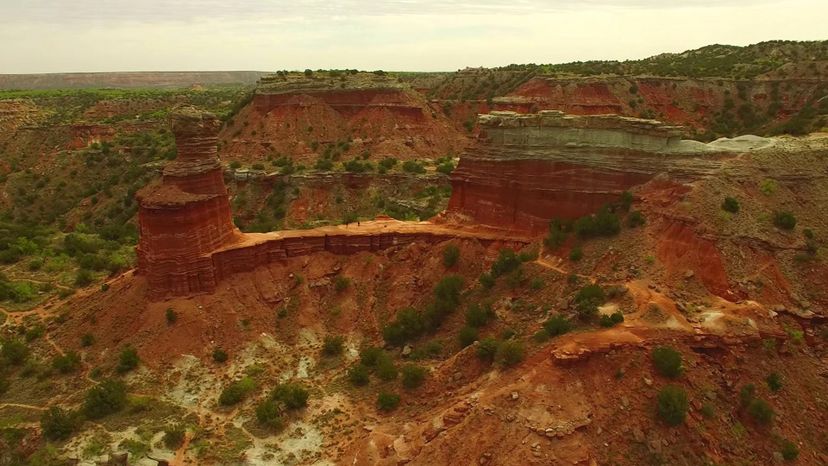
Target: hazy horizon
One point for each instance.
(53, 36)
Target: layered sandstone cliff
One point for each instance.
(358, 115)
(528, 169)
(704, 104)
(187, 215)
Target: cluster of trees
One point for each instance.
(283, 399)
(104, 399)
(411, 323)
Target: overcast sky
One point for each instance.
(136, 35)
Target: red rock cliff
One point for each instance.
(699, 103)
(529, 169)
(187, 216)
(302, 117)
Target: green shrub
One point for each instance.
(106, 398)
(507, 261)
(768, 186)
(576, 254)
(774, 381)
(58, 424)
(413, 376)
(746, 394)
(87, 340)
(557, 234)
(478, 315)
(451, 254)
(341, 283)
(84, 278)
(408, 325)
(708, 411)
(588, 299)
(333, 345)
(784, 220)
(174, 437)
(445, 168)
(432, 349)
(387, 163)
(385, 368)
(357, 166)
(410, 166)
(540, 336)
(486, 281)
(510, 352)
(237, 391)
(14, 352)
(269, 414)
(34, 333)
(448, 290)
(626, 200)
(387, 401)
(667, 361)
(219, 355)
(358, 375)
(557, 325)
(127, 361)
(635, 219)
(730, 205)
(789, 451)
(371, 355)
(672, 405)
(467, 336)
(761, 411)
(611, 320)
(291, 395)
(487, 348)
(66, 363)
(603, 223)
(324, 164)
(171, 316)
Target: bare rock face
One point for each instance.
(529, 169)
(186, 216)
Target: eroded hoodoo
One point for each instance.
(186, 216)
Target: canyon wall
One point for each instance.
(703, 104)
(359, 115)
(188, 242)
(528, 169)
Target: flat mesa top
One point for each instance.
(322, 82)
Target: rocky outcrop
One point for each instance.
(187, 216)
(529, 169)
(354, 115)
(188, 242)
(699, 103)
